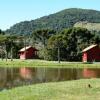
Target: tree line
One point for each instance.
(66, 44)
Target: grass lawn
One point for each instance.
(68, 90)
(43, 63)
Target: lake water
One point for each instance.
(13, 77)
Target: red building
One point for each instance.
(91, 53)
(28, 52)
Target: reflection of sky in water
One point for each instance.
(11, 77)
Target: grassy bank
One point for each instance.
(70, 90)
(43, 63)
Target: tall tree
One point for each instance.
(2, 44)
(42, 36)
(56, 42)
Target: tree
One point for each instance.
(11, 40)
(10, 45)
(56, 42)
(71, 42)
(41, 36)
(2, 32)
(2, 44)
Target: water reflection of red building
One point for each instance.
(91, 73)
(26, 73)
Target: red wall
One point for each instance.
(84, 57)
(92, 54)
(30, 53)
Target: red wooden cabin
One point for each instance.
(91, 53)
(28, 52)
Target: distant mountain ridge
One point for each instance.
(58, 21)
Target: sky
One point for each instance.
(15, 11)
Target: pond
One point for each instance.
(13, 77)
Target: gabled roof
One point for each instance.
(90, 47)
(26, 48)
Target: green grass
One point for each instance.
(69, 90)
(48, 64)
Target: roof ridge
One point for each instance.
(89, 47)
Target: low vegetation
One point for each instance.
(47, 64)
(69, 90)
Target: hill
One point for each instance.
(89, 26)
(58, 21)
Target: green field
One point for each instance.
(48, 64)
(69, 90)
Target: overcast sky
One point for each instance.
(14, 11)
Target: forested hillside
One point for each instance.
(58, 21)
